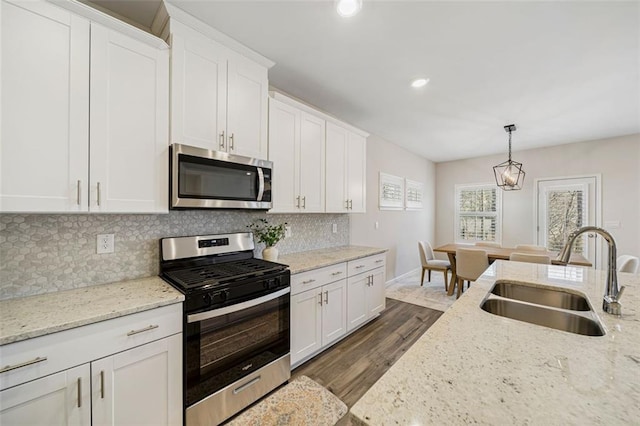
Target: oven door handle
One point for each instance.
(237, 307)
(260, 184)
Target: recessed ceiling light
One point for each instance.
(348, 8)
(419, 82)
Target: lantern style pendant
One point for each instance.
(509, 174)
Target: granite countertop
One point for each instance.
(28, 317)
(475, 367)
(307, 260)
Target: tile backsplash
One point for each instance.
(42, 253)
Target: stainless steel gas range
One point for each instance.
(236, 323)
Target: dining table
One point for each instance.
(501, 253)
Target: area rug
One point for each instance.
(302, 402)
(430, 294)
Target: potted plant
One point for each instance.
(269, 235)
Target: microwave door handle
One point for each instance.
(260, 184)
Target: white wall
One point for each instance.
(616, 159)
(399, 231)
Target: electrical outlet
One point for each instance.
(105, 243)
(334, 228)
(287, 231)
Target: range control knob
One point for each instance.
(206, 299)
(220, 296)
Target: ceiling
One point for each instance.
(561, 71)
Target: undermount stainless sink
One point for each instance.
(539, 315)
(541, 296)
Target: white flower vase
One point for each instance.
(270, 253)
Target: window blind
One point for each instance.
(477, 214)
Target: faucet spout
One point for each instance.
(612, 295)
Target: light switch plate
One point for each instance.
(334, 228)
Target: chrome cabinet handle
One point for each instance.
(326, 297)
(379, 261)
(304, 202)
(320, 302)
(142, 330)
(231, 142)
(102, 384)
(79, 392)
(298, 202)
(78, 195)
(336, 273)
(346, 204)
(308, 281)
(350, 204)
(98, 193)
(359, 266)
(23, 364)
(222, 140)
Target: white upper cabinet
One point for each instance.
(45, 116)
(346, 170)
(296, 147)
(84, 114)
(218, 97)
(129, 107)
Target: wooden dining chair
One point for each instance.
(530, 247)
(488, 244)
(470, 264)
(530, 258)
(429, 263)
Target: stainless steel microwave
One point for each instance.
(204, 179)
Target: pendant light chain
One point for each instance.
(509, 145)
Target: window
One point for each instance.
(478, 213)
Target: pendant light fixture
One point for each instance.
(509, 174)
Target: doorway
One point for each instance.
(564, 205)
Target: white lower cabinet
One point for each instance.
(139, 386)
(329, 303)
(318, 318)
(59, 399)
(365, 293)
(131, 374)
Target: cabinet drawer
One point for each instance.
(55, 352)
(317, 277)
(359, 266)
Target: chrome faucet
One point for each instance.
(611, 300)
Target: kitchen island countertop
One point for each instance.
(32, 316)
(473, 367)
(307, 260)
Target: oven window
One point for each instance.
(212, 179)
(224, 349)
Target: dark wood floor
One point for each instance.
(353, 365)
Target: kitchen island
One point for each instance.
(473, 367)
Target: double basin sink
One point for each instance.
(553, 308)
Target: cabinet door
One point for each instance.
(312, 163)
(375, 292)
(59, 399)
(336, 143)
(284, 135)
(198, 92)
(306, 324)
(334, 312)
(129, 124)
(44, 105)
(141, 386)
(357, 311)
(247, 108)
(356, 173)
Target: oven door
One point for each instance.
(227, 344)
(202, 178)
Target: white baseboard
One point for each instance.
(392, 281)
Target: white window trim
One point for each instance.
(456, 201)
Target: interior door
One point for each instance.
(565, 205)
